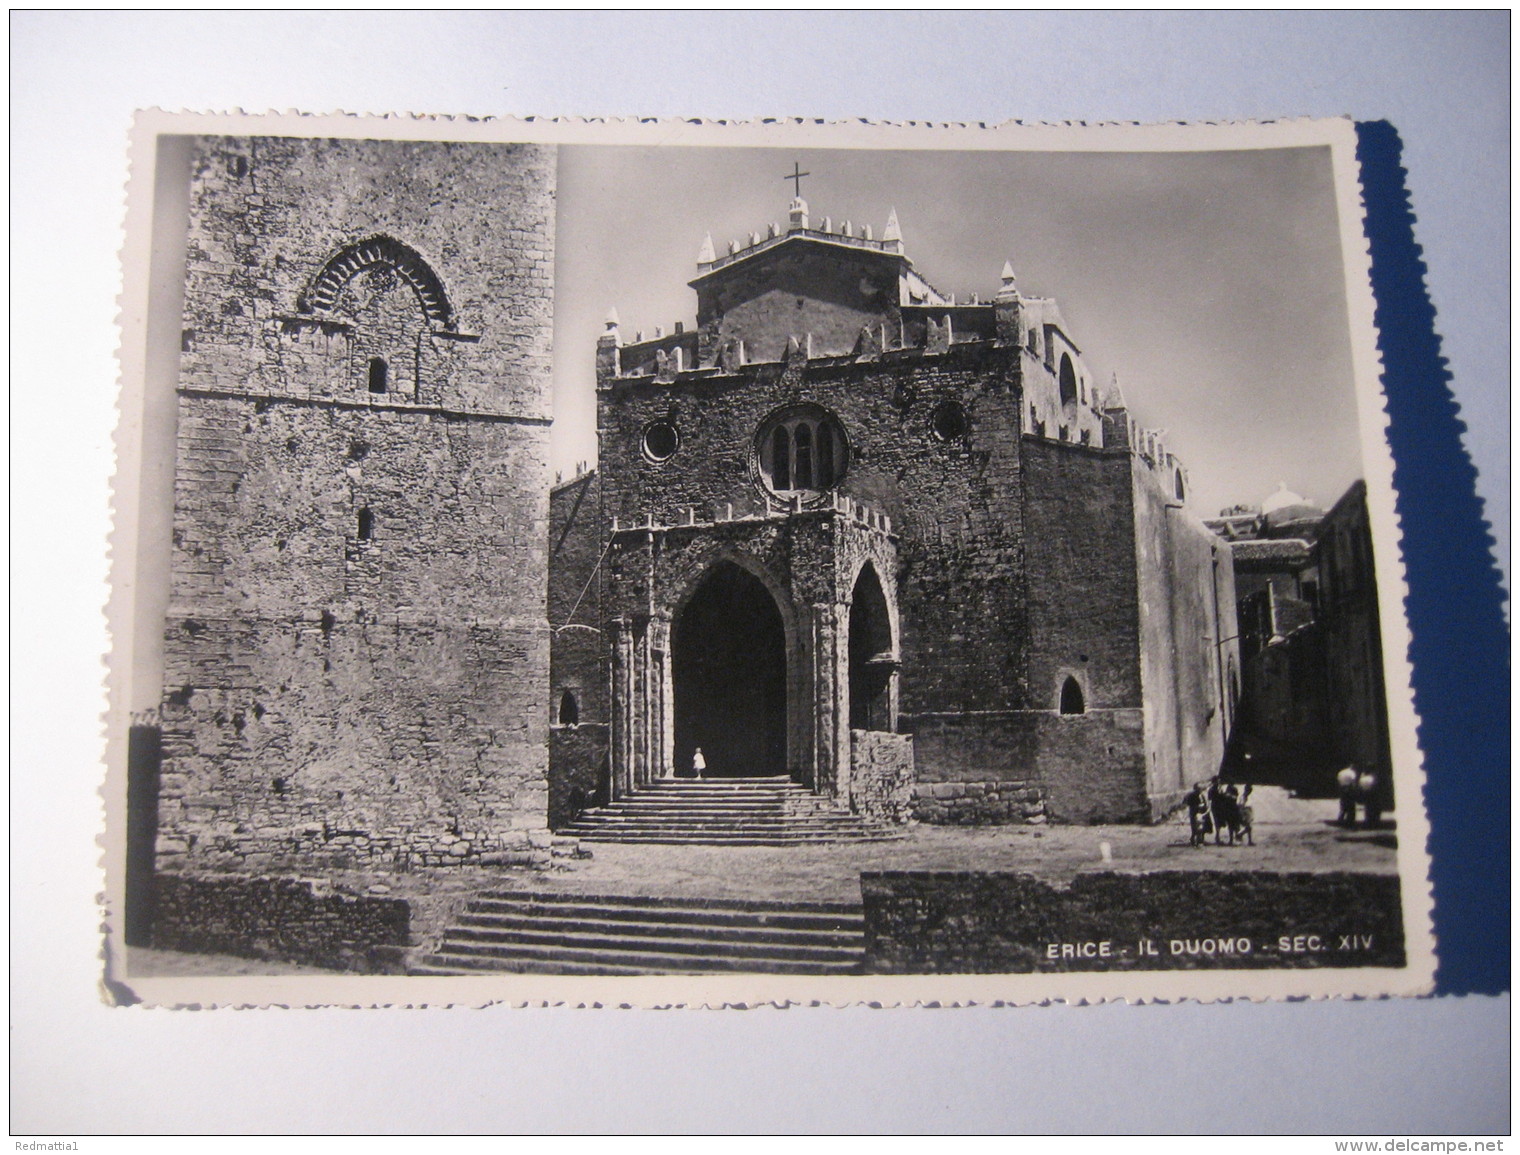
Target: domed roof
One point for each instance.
(1283, 498)
(1286, 506)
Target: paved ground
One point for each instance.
(1291, 835)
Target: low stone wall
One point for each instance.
(287, 919)
(577, 770)
(978, 803)
(988, 923)
(881, 775)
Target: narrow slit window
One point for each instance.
(1071, 698)
(569, 710)
(366, 524)
(825, 457)
(781, 461)
(379, 374)
(804, 458)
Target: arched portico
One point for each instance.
(722, 663)
(729, 678)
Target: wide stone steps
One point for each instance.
(728, 812)
(580, 934)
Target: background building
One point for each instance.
(1313, 698)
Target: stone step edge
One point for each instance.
(666, 902)
(657, 960)
(668, 839)
(653, 944)
(464, 966)
(848, 938)
(669, 916)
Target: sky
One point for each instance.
(1212, 283)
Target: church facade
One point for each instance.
(900, 549)
(843, 530)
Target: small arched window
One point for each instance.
(1072, 701)
(366, 524)
(1177, 486)
(379, 373)
(1068, 381)
(569, 710)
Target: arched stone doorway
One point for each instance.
(728, 667)
(873, 657)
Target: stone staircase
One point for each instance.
(507, 931)
(726, 812)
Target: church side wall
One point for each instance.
(356, 667)
(1083, 622)
(1186, 622)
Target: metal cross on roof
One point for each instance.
(795, 176)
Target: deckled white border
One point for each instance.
(756, 989)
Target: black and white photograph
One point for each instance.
(772, 568)
(760, 572)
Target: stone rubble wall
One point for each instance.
(881, 775)
(282, 919)
(356, 656)
(1001, 923)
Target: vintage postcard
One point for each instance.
(677, 563)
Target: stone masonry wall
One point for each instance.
(953, 504)
(1194, 919)
(1033, 766)
(356, 666)
(284, 919)
(881, 775)
(1187, 621)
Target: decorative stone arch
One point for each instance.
(323, 292)
(701, 565)
(734, 671)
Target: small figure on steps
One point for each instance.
(698, 763)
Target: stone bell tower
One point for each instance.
(355, 649)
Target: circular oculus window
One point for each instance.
(660, 440)
(801, 450)
(949, 421)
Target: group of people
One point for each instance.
(1358, 788)
(1219, 809)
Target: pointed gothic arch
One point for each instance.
(872, 654)
(323, 292)
(728, 658)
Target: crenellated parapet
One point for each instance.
(838, 507)
(763, 310)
